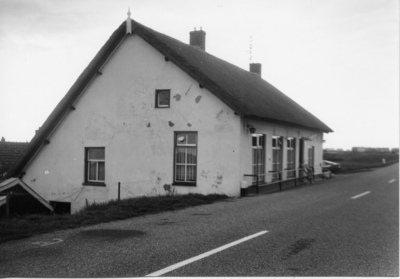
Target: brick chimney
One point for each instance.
(198, 39)
(255, 68)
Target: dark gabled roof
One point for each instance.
(246, 93)
(11, 151)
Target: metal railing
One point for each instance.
(299, 175)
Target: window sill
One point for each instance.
(101, 184)
(190, 184)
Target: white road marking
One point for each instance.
(393, 180)
(360, 195)
(47, 243)
(201, 256)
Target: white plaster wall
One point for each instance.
(270, 130)
(117, 112)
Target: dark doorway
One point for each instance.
(61, 207)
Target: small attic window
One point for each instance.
(163, 98)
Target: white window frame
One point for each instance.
(158, 91)
(258, 149)
(291, 149)
(277, 166)
(187, 146)
(88, 163)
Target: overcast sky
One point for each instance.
(339, 59)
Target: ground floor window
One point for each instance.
(291, 157)
(258, 145)
(185, 169)
(95, 165)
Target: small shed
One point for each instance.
(21, 199)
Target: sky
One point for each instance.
(339, 59)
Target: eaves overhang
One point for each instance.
(290, 124)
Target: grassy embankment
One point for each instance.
(359, 161)
(18, 227)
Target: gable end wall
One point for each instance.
(116, 111)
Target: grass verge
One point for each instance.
(353, 167)
(12, 228)
(352, 162)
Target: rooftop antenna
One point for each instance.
(128, 22)
(251, 48)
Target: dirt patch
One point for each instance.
(201, 214)
(300, 245)
(165, 223)
(108, 234)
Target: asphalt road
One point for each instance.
(346, 226)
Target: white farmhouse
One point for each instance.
(150, 110)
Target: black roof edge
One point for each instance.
(252, 117)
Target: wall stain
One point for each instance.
(148, 125)
(177, 97)
(188, 89)
(204, 174)
(219, 113)
(170, 124)
(198, 98)
(218, 180)
(189, 125)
